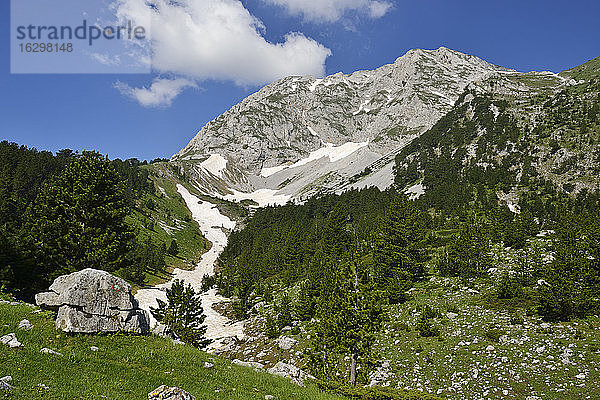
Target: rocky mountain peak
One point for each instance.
(299, 118)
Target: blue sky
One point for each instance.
(104, 112)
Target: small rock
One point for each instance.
(540, 349)
(94, 348)
(25, 325)
(286, 342)
(11, 341)
(290, 371)
(50, 351)
(4, 383)
(249, 364)
(5, 386)
(169, 393)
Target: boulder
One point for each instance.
(92, 301)
(169, 393)
(286, 342)
(5, 383)
(11, 341)
(249, 364)
(25, 325)
(290, 371)
(164, 332)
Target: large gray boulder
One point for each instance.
(169, 393)
(91, 301)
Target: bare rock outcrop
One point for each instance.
(290, 371)
(91, 301)
(169, 393)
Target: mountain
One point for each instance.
(301, 136)
(520, 136)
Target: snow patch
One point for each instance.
(211, 223)
(266, 172)
(215, 164)
(334, 153)
(264, 197)
(415, 191)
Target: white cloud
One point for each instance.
(332, 10)
(160, 94)
(220, 40)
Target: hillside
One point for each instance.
(124, 367)
(513, 137)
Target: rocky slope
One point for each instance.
(300, 136)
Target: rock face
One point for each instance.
(91, 301)
(301, 118)
(169, 393)
(290, 371)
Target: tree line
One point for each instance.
(66, 212)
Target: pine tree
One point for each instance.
(173, 248)
(78, 219)
(305, 305)
(398, 255)
(467, 254)
(183, 314)
(348, 317)
(284, 312)
(572, 281)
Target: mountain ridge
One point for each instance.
(273, 145)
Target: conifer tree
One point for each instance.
(349, 315)
(467, 254)
(173, 248)
(78, 219)
(398, 255)
(572, 281)
(183, 314)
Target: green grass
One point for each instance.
(459, 355)
(587, 71)
(124, 367)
